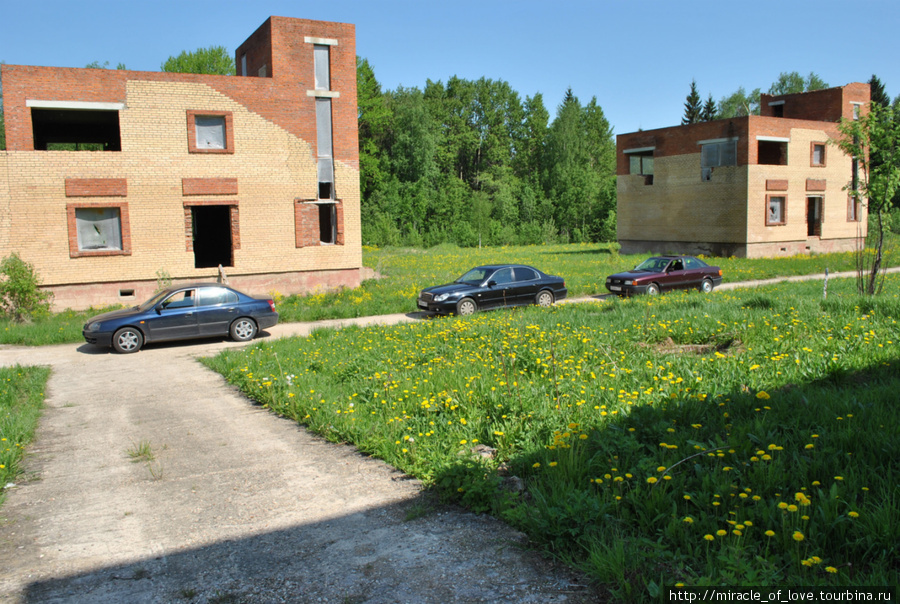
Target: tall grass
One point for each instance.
(21, 402)
(745, 437)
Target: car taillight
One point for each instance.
(720, 272)
(271, 304)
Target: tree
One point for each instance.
(879, 94)
(213, 60)
(793, 82)
(692, 107)
(873, 141)
(373, 122)
(21, 297)
(104, 65)
(739, 104)
(709, 112)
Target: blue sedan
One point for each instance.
(194, 310)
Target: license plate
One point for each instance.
(615, 288)
(423, 304)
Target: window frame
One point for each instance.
(124, 229)
(784, 201)
(812, 154)
(192, 115)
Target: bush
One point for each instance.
(20, 297)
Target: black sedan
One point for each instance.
(662, 273)
(493, 286)
(195, 310)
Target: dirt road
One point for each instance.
(236, 504)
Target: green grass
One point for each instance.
(748, 437)
(584, 266)
(21, 401)
(406, 271)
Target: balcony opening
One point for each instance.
(772, 153)
(75, 130)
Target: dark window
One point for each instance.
(184, 299)
(327, 223)
(772, 153)
(210, 296)
(75, 130)
(502, 276)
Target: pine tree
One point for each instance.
(879, 94)
(692, 107)
(709, 112)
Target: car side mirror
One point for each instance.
(491, 283)
(159, 308)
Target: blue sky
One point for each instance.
(636, 57)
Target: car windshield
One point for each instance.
(476, 275)
(156, 299)
(653, 265)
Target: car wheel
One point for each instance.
(243, 330)
(466, 306)
(652, 289)
(128, 340)
(544, 298)
(706, 286)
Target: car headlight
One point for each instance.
(93, 326)
(441, 297)
(628, 282)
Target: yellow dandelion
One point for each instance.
(721, 532)
(770, 533)
(798, 536)
(853, 514)
(708, 537)
(688, 519)
(830, 569)
(652, 480)
(762, 394)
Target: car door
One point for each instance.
(176, 317)
(676, 276)
(217, 307)
(525, 285)
(498, 292)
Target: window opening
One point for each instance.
(814, 216)
(853, 208)
(778, 110)
(772, 153)
(642, 163)
(211, 228)
(818, 154)
(325, 160)
(321, 58)
(327, 223)
(775, 212)
(99, 229)
(75, 130)
(713, 155)
(210, 131)
(183, 299)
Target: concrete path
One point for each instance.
(237, 504)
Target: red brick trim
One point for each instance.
(812, 154)
(96, 187)
(192, 131)
(189, 221)
(124, 221)
(776, 185)
(783, 210)
(209, 186)
(813, 184)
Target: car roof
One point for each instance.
(173, 288)
(497, 266)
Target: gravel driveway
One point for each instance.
(236, 505)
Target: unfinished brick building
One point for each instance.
(751, 186)
(112, 179)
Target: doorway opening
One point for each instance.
(211, 227)
(813, 216)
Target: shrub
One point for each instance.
(20, 297)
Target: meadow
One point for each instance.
(747, 437)
(404, 271)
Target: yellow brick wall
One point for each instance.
(272, 166)
(678, 206)
(836, 173)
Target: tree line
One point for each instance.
(472, 163)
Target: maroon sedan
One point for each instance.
(662, 273)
